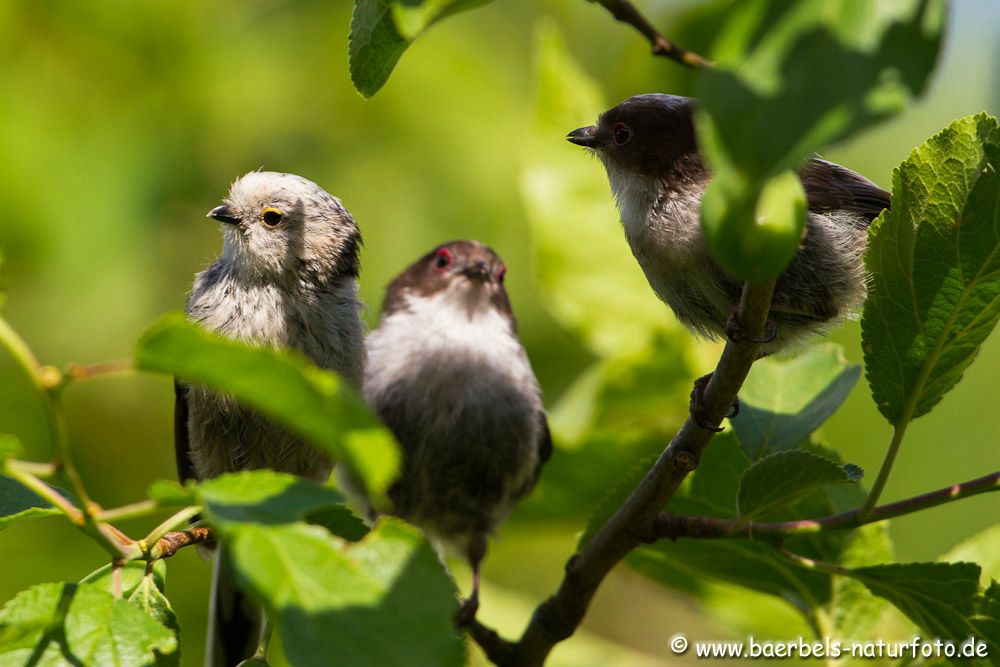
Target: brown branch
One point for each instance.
(170, 543)
(626, 12)
(558, 617)
(671, 526)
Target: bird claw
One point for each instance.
(697, 407)
(737, 332)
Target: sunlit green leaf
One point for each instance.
(314, 402)
(935, 289)
(588, 278)
(784, 400)
(79, 624)
(983, 549)
(381, 30)
(383, 601)
(262, 496)
(169, 492)
(132, 575)
(148, 596)
(779, 480)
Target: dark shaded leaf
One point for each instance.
(783, 401)
(779, 480)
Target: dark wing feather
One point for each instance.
(545, 442)
(182, 444)
(830, 187)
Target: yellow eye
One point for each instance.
(271, 216)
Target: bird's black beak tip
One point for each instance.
(584, 136)
(478, 272)
(223, 214)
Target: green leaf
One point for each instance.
(383, 601)
(74, 624)
(754, 230)
(339, 520)
(381, 30)
(315, 403)
(711, 491)
(18, 503)
(784, 400)
(262, 496)
(132, 575)
(169, 493)
(781, 479)
(593, 285)
(935, 269)
(761, 111)
(987, 618)
(941, 598)
(856, 612)
(148, 596)
(983, 548)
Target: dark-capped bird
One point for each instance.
(448, 375)
(648, 146)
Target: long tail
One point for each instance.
(235, 621)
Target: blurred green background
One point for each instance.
(121, 124)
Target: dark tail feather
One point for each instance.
(234, 620)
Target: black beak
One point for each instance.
(477, 271)
(584, 136)
(223, 214)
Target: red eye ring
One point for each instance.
(623, 134)
(501, 273)
(443, 258)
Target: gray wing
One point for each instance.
(831, 187)
(182, 443)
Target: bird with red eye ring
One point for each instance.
(443, 258)
(623, 134)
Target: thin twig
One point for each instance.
(138, 510)
(898, 431)
(115, 542)
(170, 524)
(671, 526)
(88, 371)
(558, 617)
(626, 12)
